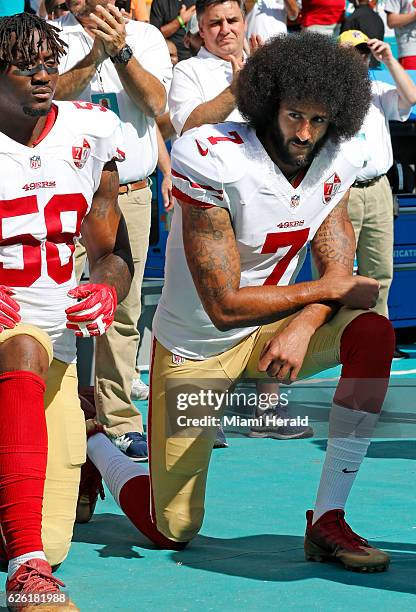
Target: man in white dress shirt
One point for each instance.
(203, 87)
(124, 66)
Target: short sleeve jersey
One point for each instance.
(225, 165)
(47, 193)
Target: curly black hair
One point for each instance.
(310, 68)
(22, 44)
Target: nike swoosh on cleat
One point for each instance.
(348, 471)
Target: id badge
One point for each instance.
(108, 100)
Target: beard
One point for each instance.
(35, 112)
(281, 148)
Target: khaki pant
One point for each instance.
(66, 448)
(116, 350)
(179, 463)
(371, 213)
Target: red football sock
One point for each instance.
(23, 456)
(367, 347)
(134, 500)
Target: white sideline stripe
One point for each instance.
(146, 368)
(334, 379)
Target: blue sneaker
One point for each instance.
(133, 444)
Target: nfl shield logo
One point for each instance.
(331, 187)
(35, 162)
(294, 201)
(177, 359)
(80, 154)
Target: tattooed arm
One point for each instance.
(105, 236)
(333, 250)
(214, 262)
(333, 247)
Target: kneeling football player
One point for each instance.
(249, 198)
(59, 179)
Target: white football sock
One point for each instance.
(350, 434)
(115, 467)
(15, 563)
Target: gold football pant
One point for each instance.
(178, 464)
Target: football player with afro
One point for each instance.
(249, 198)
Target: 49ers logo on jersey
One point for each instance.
(81, 153)
(331, 187)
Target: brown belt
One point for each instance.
(368, 183)
(133, 186)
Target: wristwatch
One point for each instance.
(123, 56)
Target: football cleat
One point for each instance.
(91, 484)
(332, 539)
(32, 588)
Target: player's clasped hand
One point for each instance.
(9, 309)
(93, 315)
(355, 291)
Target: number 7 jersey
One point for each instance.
(225, 165)
(45, 193)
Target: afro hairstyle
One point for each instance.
(310, 68)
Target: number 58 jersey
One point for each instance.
(45, 193)
(226, 166)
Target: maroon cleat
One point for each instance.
(32, 588)
(331, 538)
(91, 484)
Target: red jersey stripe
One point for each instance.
(197, 186)
(179, 195)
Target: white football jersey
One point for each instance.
(45, 193)
(226, 165)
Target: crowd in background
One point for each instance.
(264, 17)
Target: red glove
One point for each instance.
(9, 309)
(93, 315)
